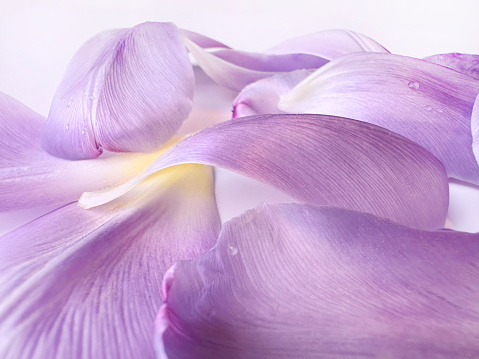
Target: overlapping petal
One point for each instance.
(86, 284)
(30, 177)
(125, 90)
(263, 96)
(464, 63)
(296, 281)
(427, 103)
(318, 160)
(329, 44)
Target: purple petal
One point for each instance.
(329, 44)
(318, 159)
(201, 40)
(125, 90)
(30, 177)
(475, 129)
(86, 284)
(212, 104)
(264, 95)
(429, 104)
(464, 63)
(295, 281)
(236, 69)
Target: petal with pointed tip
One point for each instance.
(464, 63)
(236, 69)
(318, 160)
(296, 281)
(329, 44)
(86, 283)
(30, 177)
(429, 104)
(125, 90)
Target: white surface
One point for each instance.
(37, 39)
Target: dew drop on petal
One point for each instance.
(69, 103)
(428, 108)
(67, 126)
(413, 85)
(82, 132)
(232, 250)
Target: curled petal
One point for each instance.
(475, 129)
(318, 159)
(86, 284)
(236, 69)
(201, 40)
(429, 104)
(329, 44)
(125, 90)
(30, 177)
(296, 281)
(464, 63)
(263, 96)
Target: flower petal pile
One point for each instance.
(364, 139)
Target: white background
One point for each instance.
(37, 39)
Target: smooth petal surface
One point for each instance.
(263, 96)
(236, 69)
(125, 90)
(81, 283)
(429, 104)
(30, 177)
(318, 160)
(296, 281)
(464, 63)
(475, 129)
(329, 44)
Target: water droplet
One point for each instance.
(439, 110)
(428, 108)
(69, 103)
(232, 250)
(82, 132)
(67, 126)
(413, 85)
(92, 98)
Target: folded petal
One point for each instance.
(30, 177)
(329, 44)
(464, 63)
(318, 160)
(263, 96)
(125, 90)
(236, 69)
(429, 104)
(475, 129)
(296, 281)
(86, 284)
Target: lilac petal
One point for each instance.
(329, 44)
(318, 159)
(475, 129)
(125, 90)
(264, 95)
(429, 104)
(30, 177)
(296, 281)
(464, 63)
(201, 40)
(212, 104)
(86, 284)
(236, 69)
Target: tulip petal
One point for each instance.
(464, 63)
(125, 90)
(236, 69)
(263, 96)
(296, 281)
(30, 177)
(318, 160)
(86, 284)
(429, 104)
(329, 44)
(475, 129)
